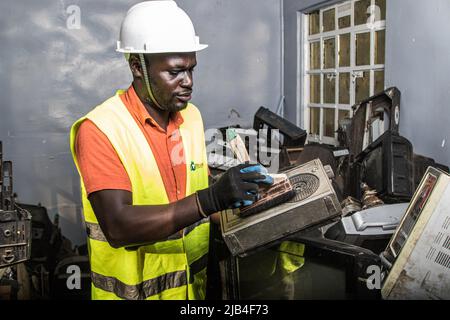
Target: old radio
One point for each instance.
(315, 202)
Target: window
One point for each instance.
(344, 63)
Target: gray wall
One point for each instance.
(417, 62)
(51, 75)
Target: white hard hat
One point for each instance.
(157, 27)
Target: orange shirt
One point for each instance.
(101, 167)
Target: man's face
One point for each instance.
(171, 78)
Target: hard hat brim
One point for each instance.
(197, 48)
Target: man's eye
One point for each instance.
(174, 73)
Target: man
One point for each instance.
(144, 176)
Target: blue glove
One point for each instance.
(259, 169)
(266, 180)
(236, 187)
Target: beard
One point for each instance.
(171, 103)
(175, 107)
(171, 106)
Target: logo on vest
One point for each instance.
(195, 166)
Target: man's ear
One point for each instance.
(135, 66)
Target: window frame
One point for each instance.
(304, 72)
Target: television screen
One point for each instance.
(321, 269)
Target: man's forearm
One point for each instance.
(127, 225)
(156, 223)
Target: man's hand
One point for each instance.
(237, 187)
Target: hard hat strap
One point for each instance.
(147, 82)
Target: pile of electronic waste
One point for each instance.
(15, 236)
(350, 197)
(34, 255)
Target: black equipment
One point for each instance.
(372, 117)
(390, 166)
(49, 253)
(15, 222)
(293, 136)
(386, 165)
(378, 155)
(43, 233)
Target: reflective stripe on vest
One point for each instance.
(150, 287)
(159, 270)
(142, 290)
(95, 233)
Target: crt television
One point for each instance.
(331, 270)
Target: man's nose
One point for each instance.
(187, 80)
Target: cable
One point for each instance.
(147, 82)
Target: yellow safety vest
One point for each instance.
(170, 269)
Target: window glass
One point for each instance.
(361, 13)
(379, 46)
(328, 20)
(363, 49)
(314, 88)
(329, 50)
(362, 87)
(329, 88)
(344, 50)
(314, 23)
(314, 120)
(328, 122)
(379, 81)
(344, 88)
(314, 57)
(344, 15)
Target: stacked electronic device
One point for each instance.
(15, 223)
(378, 155)
(417, 258)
